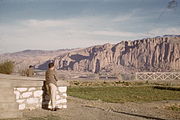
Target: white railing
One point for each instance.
(158, 76)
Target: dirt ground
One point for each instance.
(79, 109)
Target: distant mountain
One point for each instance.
(36, 58)
(151, 54)
(35, 52)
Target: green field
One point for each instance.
(124, 94)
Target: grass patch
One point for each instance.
(105, 83)
(174, 108)
(123, 94)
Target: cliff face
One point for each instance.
(152, 54)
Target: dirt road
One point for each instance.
(79, 109)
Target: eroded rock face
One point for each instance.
(152, 54)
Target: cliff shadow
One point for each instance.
(167, 88)
(44, 66)
(140, 116)
(97, 68)
(78, 57)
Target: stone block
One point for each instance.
(62, 89)
(26, 95)
(22, 89)
(20, 101)
(59, 106)
(32, 89)
(32, 100)
(57, 97)
(22, 106)
(32, 107)
(17, 94)
(64, 94)
(41, 100)
(38, 93)
(61, 101)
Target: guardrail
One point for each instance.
(158, 76)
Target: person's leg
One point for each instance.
(53, 95)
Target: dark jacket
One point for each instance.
(51, 77)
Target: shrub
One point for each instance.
(173, 107)
(6, 67)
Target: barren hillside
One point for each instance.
(25, 58)
(151, 54)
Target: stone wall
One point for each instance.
(20, 93)
(35, 97)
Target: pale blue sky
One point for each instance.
(60, 24)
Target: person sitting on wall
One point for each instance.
(30, 71)
(51, 84)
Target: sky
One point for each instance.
(65, 24)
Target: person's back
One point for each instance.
(51, 77)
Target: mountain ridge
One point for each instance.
(160, 53)
(149, 54)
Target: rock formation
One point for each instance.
(151, 54)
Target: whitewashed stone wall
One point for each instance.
(32, 97)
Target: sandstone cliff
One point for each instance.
(151, 54)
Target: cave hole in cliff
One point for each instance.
(97, 67)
